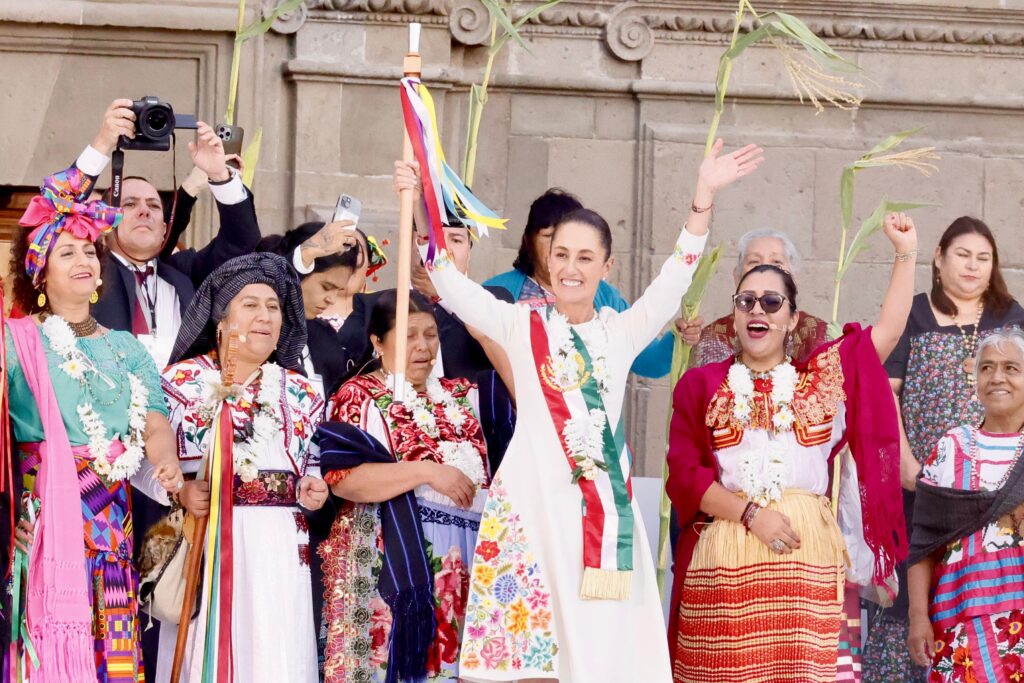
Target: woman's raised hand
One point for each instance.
(718, 170)
(899, 228)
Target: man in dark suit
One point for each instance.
(147, 287)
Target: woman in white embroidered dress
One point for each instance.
(561, 598)
(274, 412)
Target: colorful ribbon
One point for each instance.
(443, 190)
(61, 207)
(378, 259)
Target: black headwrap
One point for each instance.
(198, 333)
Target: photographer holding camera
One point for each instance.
(147, 287)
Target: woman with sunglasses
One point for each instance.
(762, 562)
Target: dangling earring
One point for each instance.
(789, 343)
(41, 300)
(94, 297)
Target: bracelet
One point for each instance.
(749, 513)
(905, 256)
(698, 209)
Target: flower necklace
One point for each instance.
(76, 364)
(566, 371)
(762, 475)
(784, 380)
(462, 455)
(267, 421)
(565, 366)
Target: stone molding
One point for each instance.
(631, 29)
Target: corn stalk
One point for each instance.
(501, 12)
(680, 361)
(881, 155)
(815, 71)
(251, 154)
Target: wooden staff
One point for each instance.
(412, 66)
(194, 529)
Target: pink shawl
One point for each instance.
(59, 617)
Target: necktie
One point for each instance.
(140, 324)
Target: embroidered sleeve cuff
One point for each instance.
(336, 476)
(92, 161)
(231, 192)
(689, 247)
(299, 264)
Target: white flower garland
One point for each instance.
(566, 363)
(76, 364)
(267, 423)
(762, 480)
(463, 456)
(584, 435)
(420, 410)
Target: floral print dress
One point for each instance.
(356, 630)
(978, 586)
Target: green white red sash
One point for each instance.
(607, 512)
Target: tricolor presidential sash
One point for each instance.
(607, 492)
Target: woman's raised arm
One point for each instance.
(899, 297)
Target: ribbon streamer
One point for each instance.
(443, 190)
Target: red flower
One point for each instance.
(963, 666)
(251, 492)
(1011, 628)
(445, 648)
(1013, 667)
(487, 550)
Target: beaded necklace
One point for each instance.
(972, 456)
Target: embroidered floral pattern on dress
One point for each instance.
(816, 400)
(508, 621)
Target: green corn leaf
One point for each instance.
(259, 27)
(522, 21)
(869, 227)
(746, 40)
(835, 330)
(251, 157)
(846, 196)
(499, 15)
(789, 26)
(888, 144)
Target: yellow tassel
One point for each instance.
(605, 584)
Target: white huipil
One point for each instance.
(526, 618)
(273, 633)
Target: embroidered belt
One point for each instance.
(30, 458)
(270, 488)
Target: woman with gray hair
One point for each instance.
(966, 587)
(717, 341)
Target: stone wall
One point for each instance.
(612, 102)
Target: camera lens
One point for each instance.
(158, 120)
(346, 202)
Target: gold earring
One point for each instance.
(41, 300)
(94, 297)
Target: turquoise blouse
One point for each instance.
(115, 354)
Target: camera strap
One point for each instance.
(117, 176)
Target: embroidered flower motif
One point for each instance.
(584, 440)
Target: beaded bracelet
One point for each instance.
(749, 513)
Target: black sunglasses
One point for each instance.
(770, 302)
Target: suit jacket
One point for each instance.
(185, 270)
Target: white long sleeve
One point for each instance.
(474, 305)
(640, 323)
(143, 481)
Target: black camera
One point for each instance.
(155, 121)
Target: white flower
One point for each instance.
(264, 427)
(463, 456)
(424, 419)
(783, 420)
(246, 470)
(436, 392)
(73, 368)
(59, 334)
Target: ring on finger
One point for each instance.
(778, 546)
(180, 485)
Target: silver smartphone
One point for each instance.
(348, 209)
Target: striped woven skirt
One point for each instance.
(750, 614)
